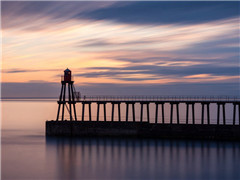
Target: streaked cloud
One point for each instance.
(166, 12)
(47, 89)
(142, 43)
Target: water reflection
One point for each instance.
(25, 155)
(112, 158)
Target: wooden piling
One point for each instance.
(83, 110)
(133, 111)
(127, 105)
(119, 112)
(218, 114)
(171, 114)
(98, 106)
(64, 102)
(104, 109)
(163, 113)
(148, 114)
(193, 113)
(69, 103)
(224, 113)
(177, 106)
(208, 114)
(203, 105)
(112, 111)
(141, 116)
(234, 113)
(156, 115)
(90, 114)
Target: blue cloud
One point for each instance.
(165, 12)
(177, 71)
(125, 12)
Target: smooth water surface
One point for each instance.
(28, 154)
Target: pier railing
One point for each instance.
(159, 98)
(159, 103)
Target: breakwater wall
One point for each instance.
(142, 130)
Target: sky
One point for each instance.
(120, 48)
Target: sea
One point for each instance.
(27, 154)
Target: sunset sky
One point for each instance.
(125, 48)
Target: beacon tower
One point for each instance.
(67, 88)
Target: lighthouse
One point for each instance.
(67, 75)
(67, 88)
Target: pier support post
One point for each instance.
(177, 112)
(133, 111)
(202, 122)
(234, 113)
(69, 102)
(74, 110)
(208, 113)
(119, 112)
(89, 110)
(193, 112)
(64, 102)
(90, 114)
(163, 113)
(224, 114)
(171, 115)
(148, 114)
(156, 115)
(98, 106)
(59, 102)
(73, 102)
(83, 109)
(219, 104)
(156, 112)
(59, 105)
(127, 111)
(112, 111)
(141, 116)
(104, 109)
(177, 106)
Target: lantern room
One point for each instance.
(67, 75)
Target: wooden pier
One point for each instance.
(137, 127)
(174, 104)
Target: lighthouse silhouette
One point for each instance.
(67, 87)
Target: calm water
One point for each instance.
(28, 154)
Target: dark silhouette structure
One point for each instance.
(137, 127)
(66, 80)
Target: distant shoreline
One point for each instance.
(24, 98)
